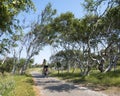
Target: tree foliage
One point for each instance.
(8, 11)
(90, 33)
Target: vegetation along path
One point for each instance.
(50, 86)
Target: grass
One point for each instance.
(33, 69)
(7, 84)
(108, 79)
(23, 86)
(16, 85)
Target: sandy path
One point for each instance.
(53, 87)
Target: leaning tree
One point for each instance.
(39, 35)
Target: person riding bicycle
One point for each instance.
(45, 67)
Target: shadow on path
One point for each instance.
(37, 75)
(52, 84)
(61, 87)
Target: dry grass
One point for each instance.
(23, 86)
(112, 91)
(36, 89)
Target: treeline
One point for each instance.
(10, 63)
(89, 42)
(72, 60)
(93, 40)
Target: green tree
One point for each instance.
(9, 25)
(107, 28)
(8, 11)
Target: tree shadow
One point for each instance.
(61, 87)
(44, 82)
(36, 75)
(53, 84)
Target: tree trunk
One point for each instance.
(74, 68)
(87, 69)
(68, 66)
(14, 62)
(58, 71)
(24, 67)
(21, 72)
(14, 69)
(113, 62)
(109, 67)
(4, 59)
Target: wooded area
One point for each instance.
(88, 43)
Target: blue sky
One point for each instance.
(61, 6)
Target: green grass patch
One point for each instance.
(33, 69)
(17, 85)
(23, 86)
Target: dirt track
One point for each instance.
(54, 87)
